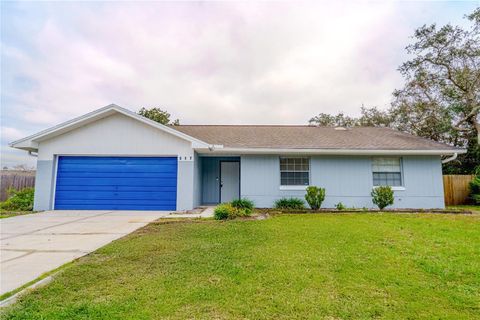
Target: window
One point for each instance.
(387, 172)
(294, 171)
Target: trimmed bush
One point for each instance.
(244, 206)
(290, 203)
(475, 186)
(234, 209)
(19, 200)
(382, 196)
(224, 211)
(340, 206)
(315, 197)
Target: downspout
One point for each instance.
(31, 153)
(450, 158)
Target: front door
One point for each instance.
(229, 180)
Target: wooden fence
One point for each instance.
(456, 189)
(15, 179)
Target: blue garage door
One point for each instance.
(116, 183)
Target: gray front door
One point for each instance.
(229, 180)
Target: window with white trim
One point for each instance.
(387, 171)
(294, 171)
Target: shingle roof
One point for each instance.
(309, 137)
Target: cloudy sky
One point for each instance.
(204, 62)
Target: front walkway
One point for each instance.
(37, 243)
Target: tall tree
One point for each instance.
(443, 78)
(158, 115)
(441, 96)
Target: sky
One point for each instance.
(204, 62)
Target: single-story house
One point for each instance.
(114, 159)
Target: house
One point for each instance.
(114, 159)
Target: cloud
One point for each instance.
(208, 62)
(11, 134)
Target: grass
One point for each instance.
(324, 266)
(7, 214)
(474, 209)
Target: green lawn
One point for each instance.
(7, 214)
(474, 209)
(319, 266)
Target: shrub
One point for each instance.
(382, 196)
(475, 186)
(340, 206)
(290, 203)
(244, 206)
(19, 200)
(224, 211)
(237, 208)
(315, 197)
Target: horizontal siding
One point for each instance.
(347, 179)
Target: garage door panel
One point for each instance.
(115, 188)
(115, 207)
(117, 202)
(67, 195)
(116, 183)
(124, 168)
(81, 160)
(152, 175)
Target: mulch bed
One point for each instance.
(327, 210)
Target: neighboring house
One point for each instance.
(114, 159)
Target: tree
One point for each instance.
(444, 77)
(441, 96)
(22, 167)
(339, 120)
(158, 115)
(370, 117)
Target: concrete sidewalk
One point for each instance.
(37, 243)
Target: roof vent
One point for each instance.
(341, 128)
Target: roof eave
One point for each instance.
(30, 143)
(227, 150)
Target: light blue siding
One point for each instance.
(43, 185)
(347, 179)
(210, 178)
(197, 181)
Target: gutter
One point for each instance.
(455, 155)
(222, 150)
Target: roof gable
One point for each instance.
(30, 143)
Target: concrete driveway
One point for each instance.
(34, 244)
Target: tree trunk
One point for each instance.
(476, 124)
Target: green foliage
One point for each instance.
(158, 115)
(289, 203)
(224, 211)
(235, 209)
(340, 206)
(475, 186)
(439, 99)
(19, 200)
(382, 196)
(243, 205)
(315, 197)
